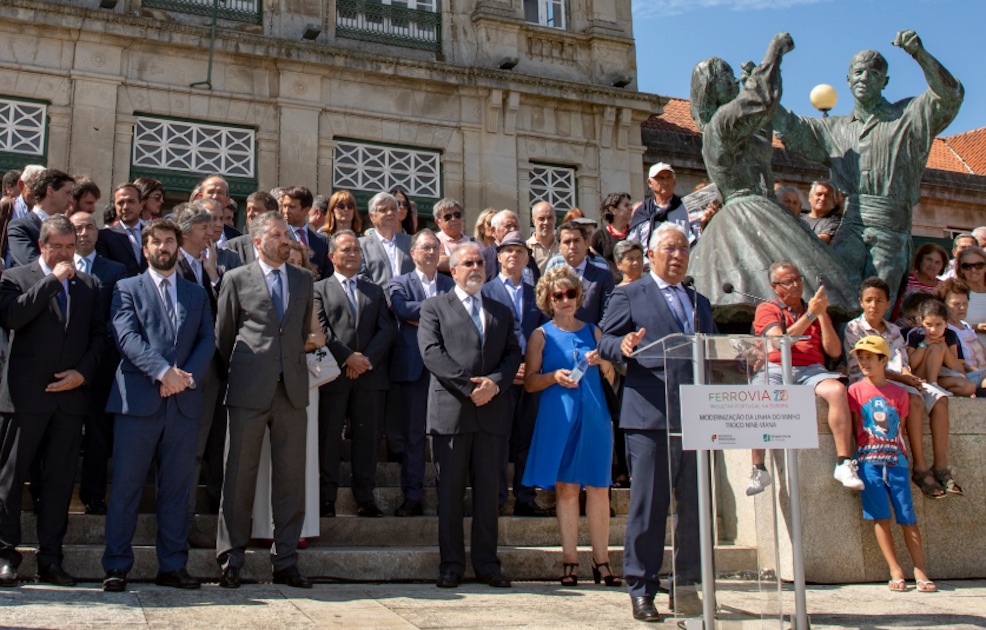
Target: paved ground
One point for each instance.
(959, 604)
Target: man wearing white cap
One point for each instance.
(664, 205)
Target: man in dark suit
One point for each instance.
(98, 439)
(121, 241)
(597, 283)
(264, 317)
(52, 192)
(59, 335)
(640, 313)
(225, 259)
(295, 204)
(163, 328)
(360, 331)
(257, 203)
(468, 344)
(509, 289)
(407, 370)
(197, 263)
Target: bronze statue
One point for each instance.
(752, 231)
(877, 155)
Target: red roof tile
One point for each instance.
(970, 147)
(943, 158)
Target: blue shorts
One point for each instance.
(811, 375)
(884, 482)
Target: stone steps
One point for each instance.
(349, 531)
(359, 564)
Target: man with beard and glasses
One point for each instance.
(264, 317)
(468, 344)
(164, 331)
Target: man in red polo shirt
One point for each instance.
(809, 319)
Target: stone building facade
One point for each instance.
(493, 102)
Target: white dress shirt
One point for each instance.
(430, 286)
(467, 304)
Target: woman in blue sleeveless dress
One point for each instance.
(572, 445)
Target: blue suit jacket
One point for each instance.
(22, 238)
(532, 315)
(109, 273)
(115, 245)
(647, 387)
(598, 285)
(406, 295)
(148, 345)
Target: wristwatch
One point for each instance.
(811, 317)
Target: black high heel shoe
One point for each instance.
(569, 576)
(610, 580)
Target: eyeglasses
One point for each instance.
(451, 215)
(571, 294)
(671, 251)
(157, 196)
(789, 284)
(978, 266)
(469, 264)
(346, 206)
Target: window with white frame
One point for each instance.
(376, 168)
(194, 147)
(545, 12)
(554, 184)
(23, 127)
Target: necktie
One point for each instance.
(277, 294)
(351, 295)
(197, 268)
(302, 237)
(84, 265)
(62, 298)
(135, 241)
(169, 305)
(516, 292)
(677, 309)
(474, 314)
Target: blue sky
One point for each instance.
(672, 35)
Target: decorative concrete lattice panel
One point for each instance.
(554, 184)
(23, 127)
(194, 147)
(358, 166)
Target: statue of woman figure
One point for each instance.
(752, 231)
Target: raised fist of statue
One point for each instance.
(908, 41)
(783, 43)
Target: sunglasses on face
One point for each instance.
(469, 264)
(346, 206)
(571, 294)
(978, 266)
(452, 215)
(403, 204)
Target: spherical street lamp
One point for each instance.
(823, 98)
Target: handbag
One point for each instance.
(322, 367)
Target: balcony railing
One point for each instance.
(375, 22)
(239, 10)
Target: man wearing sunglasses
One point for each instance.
(639, 314)
(467, 342)
(450, 219)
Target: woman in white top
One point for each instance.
(970, 267)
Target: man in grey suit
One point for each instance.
(264, 317)
(468, 344)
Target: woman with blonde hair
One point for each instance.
(484, 228)
(341, 214)
(572, 445)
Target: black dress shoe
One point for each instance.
(644, 610)
(96, 508)
(448, 580)
(55, 574)
(327, 509)
(530, 509)
(177, 579)
(409, 508)
(115, 582)
(8, 575)
(230, 578)
(495, 579)
(292, 578)
(369, 509)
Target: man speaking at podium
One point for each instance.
(638, 314)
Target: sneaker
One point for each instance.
(846, 474)
(759, 480)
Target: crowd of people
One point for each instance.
(168, 338)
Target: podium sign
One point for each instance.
(723, 417)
